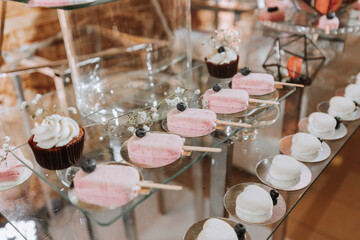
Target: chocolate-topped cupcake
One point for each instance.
(224, 62)
(57, 142)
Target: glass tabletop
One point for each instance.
(104, 146)
(242, 156)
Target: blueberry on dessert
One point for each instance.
(274, 196)
(181, 106)
(224, 60)
(240, 231)
(230, 84)
(330, 15)
(221, 49)
(338, 122)
(245, 71)
(273, 9)
(88, 165)
(217, 87)
(140, 132)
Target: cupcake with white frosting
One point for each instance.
(342, 107)
(321, 125)
(305, 147)
(224, 61)
(57, 142)
(254, 204)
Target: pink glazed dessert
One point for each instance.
(155, 149)
(107, 185)
(227, 101)
(329, 21)
(254, 83)
(13, 172)
(192, 122)
(50, 3)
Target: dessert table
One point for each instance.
(43, 203)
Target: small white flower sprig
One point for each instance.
(143, 119)
(37, 110)
(224, 38)
(6, 149)
(179, 96)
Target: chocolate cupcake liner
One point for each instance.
(58, 157)
(226, 70)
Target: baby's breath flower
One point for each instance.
(179, 90)
(146, 128)
(165, 93)
(153, 109)
(36, 99)
(155, 116)
(197, 91)
(131, 129)
(72, 110)
(23, 105)
(205, 103)
(7, 139)
(142, 117)
(39, 112)
(5, 147)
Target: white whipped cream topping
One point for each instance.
(55, 131)
(224, 57)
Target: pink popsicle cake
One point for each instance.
(191, 122)
(253, 83)
(227, 101)
(155, 149)
(107, 185)
(50, 3)
(328, 22)
(12, 172)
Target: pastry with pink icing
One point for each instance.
(155, 149)
(229, 101)
(106, 185)
(12, 171)
(273, 14)
(253, 83)
(152, 150)
(226, 101)
(328, 22)
(191, 122)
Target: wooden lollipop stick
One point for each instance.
(144, 191)
(201, 149)
(263, 101)
(289, 84)
(236, 124)
(160, 186)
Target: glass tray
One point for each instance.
(104, 147)
(349, 23)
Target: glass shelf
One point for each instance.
(242, 161)
(104, 147)
(82, 4)
(300, 22)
